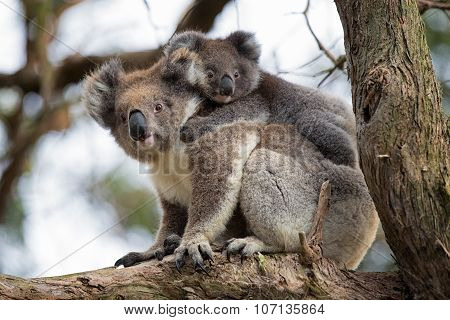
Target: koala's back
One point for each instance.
(325, 120)
(287, 99)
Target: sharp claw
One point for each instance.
(206, 255)
(159, 255)
(118, 263)
(179, 263)
(228, 256)
(224, 247)
(227, 243)
(201, 267)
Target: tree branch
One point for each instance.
(281, 277)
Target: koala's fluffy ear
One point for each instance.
(99, 92)
(246, 44)
(191, 40)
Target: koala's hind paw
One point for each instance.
(246, 247)
(169, 246)
(198, 250)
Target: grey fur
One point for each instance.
(324, 120)
(255, 182)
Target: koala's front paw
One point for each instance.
(195, 128)
(198, 249)
(158, 252)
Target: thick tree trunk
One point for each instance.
(268, 277)
(403, 136)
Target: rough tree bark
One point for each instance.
(269, 277)
(403, 136)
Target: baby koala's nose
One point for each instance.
(138, 126)
(226, 86)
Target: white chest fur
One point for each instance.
(172, 177)
(171, 174)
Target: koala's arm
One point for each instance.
(222, 115)
(168, 238)
(217, 162)
(173, 222)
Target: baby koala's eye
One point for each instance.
(158, 107)
(236, 74)
(210, 74)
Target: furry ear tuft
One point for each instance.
(246, 44)
(99, 92)
(191, 40)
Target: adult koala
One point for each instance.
(269, 172)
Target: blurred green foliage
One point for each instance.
(135, 205)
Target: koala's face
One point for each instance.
(223, 69)
(143, 112)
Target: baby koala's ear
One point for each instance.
(191, 40)
(99, 92)
(246, 44)
(183, 62)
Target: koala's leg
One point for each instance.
(279, 198)
(330, 139)
(168, 237)
(351, 225)
(276, 203)
(217, 160)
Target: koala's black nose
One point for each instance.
(138, 125)
(226, 86)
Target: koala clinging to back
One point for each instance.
(226, 70)
(255, 184)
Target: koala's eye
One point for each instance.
(158, 107)
(236, 74)
(210, 74)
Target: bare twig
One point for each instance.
(310, 246)
(338, 62)
(319, 43)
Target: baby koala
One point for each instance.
(226, 71)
